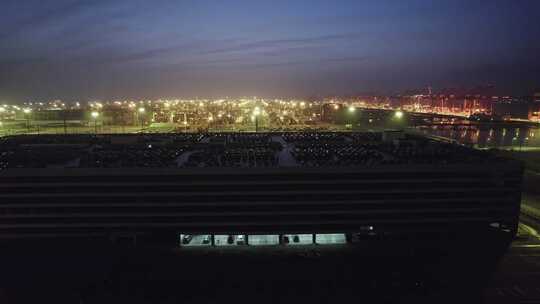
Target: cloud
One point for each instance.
(243, 63)
(303, 62)
(45, 17)
(284, 42)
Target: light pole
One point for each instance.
(2, 110)
(520, 142)
(123, 121)
(95, 116)
(185, 123)
(65, 122)
(398, 118)
(27, 112)
(210, 120)
(141, 117)
(256, 113)
(351, 110)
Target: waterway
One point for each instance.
(485, 136)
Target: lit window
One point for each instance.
(194, 240)
(297, 239)
(261, 240)
(330, 238)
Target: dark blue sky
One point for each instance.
(79, 50)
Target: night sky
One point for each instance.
(101, 49)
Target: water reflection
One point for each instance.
(488, 137)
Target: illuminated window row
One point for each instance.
(218, 240)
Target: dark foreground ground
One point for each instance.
(41, 274)
(517, 279)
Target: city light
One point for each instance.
(277, 136)
(95, 115)
(237, 112)
(256, 111)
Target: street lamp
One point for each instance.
(65, 121)
(141, 114)
(256, 113)
(185, 123)
(398, 114)
(351, 109)
(27, 112)
(95, 116)
(210, 120)
(520, 141)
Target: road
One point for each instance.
(517, 279)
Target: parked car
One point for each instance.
(206, 239)
(187, 238)
(240, 240)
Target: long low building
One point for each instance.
(405, 193)
(398, 201)
(405, 213)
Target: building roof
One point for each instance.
(263, 151)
